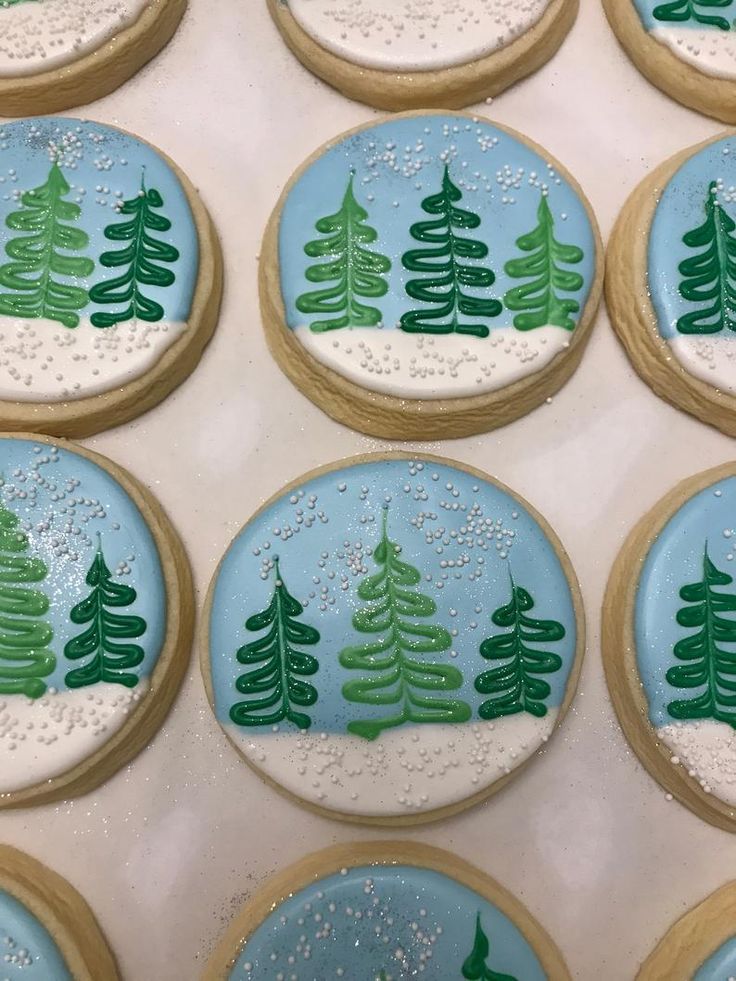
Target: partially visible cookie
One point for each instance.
(388, 911)
(671, 281)
(423, 53)
(110, 276)
(47, 931)
(96, 619)
(684, 47)
(700, 946)
(55, 54)
(668, 636)
(431, 275)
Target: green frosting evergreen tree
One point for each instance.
(537, 302)
(109, 661)
(275, 682)
(709, 278)
(514, 685)
(706, 663)
(394, 672)
(443, 274)
(698, 11)
(353, 270)
(25, 659)
(475, 966)
(142, 258)
(41, 254)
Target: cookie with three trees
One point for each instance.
(668, 634)
(391, 638)
(700, 946)
(47, 930)
(671, 281)
(423, 53)
(387, 911)
(430, 275)
(684, 47)
(110, 276)
(96, 619)
(55, 54)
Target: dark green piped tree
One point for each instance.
(354, 271)
(393, 670)
(536, 302)
(697, 11)
(43, 253)
(273, 686)
(515, 684)
(109, 660)
(142, 257)
(444, 274)
(709, 278)
(25, 660)
(706, 663)
(475, 967)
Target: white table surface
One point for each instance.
(169, 849)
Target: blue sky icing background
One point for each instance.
(63, 501)
(674, 560)
(40, 959)
(399, 163)
(720, 965)
(358, 907)
(646, 10)
(681, 209)
(461, 533)
(103, 166)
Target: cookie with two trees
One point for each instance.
(389, 910)
(684, 47)
(423, 53)
(96, 619)
(392, 638)
(428, 276)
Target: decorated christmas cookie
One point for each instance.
(422, 53)
(110, 276)
(390, 638)
(701, 946)
(95, 619)
(388, 911)
(430, 275)
(671, 281)
(47, 931)
(669, 631)
(687, 48)
(55, 54)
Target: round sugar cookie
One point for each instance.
(671, 281)
(47, 931)
(428, 276)
(668, 632)
(55, 54)
(110, 276)
(386, 911)
(423, 53)
(700, 946)
(391, 638)
(96, 619)
(684, 47)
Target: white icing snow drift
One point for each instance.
(712, 52)
(710, 357)
(707, 750)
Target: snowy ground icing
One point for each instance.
(429, 366)
(414, 769)
(712, 52)
(707, 751)
(386, 923)
(712, 358)
(37, 36)
(41, 360)
(45, 737)
(415, 34)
